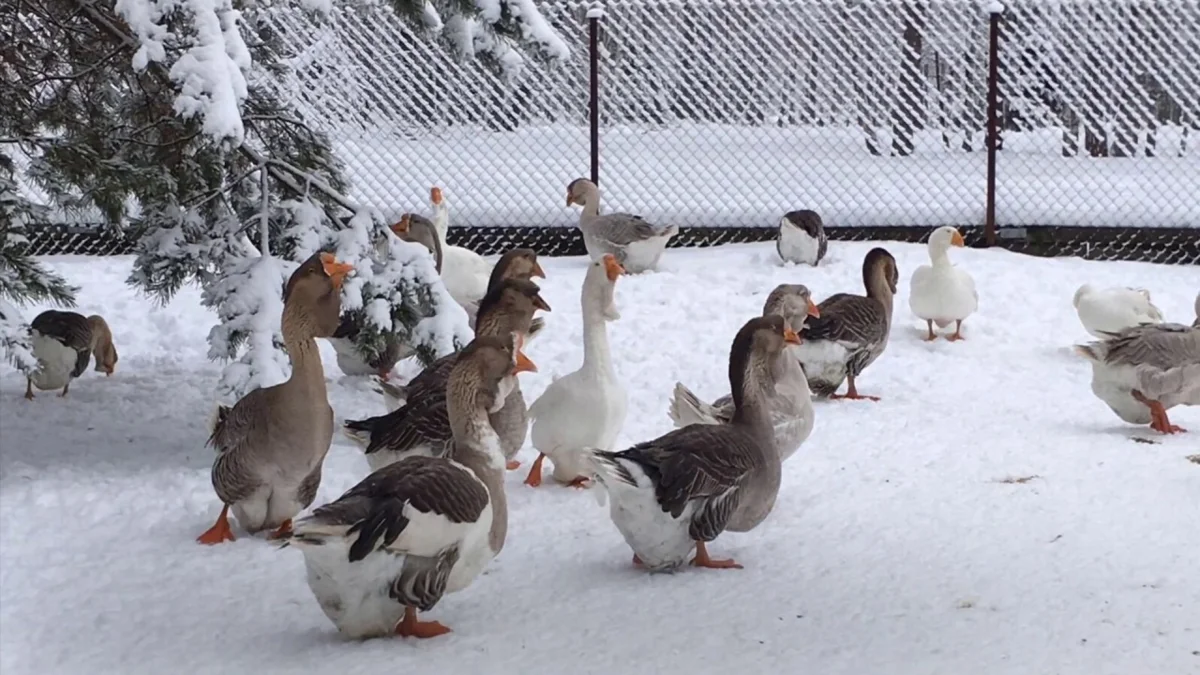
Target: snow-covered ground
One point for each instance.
(988, 516)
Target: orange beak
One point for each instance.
(813, 311)
(613, 268)
(435, 195)
(537, 270)
(337, 271)
(540, 303)
(956, 239)
(790, 337)
(401, 228)
(570, 199)
(524, 365)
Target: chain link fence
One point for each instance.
(1064, 128)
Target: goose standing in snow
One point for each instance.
(422, 426)
(790, 401)
(272, 442)
(584, 409)
(680, 491)
(801, 238)
(1196, 323)
(1143, 371)
(942, 293)
(1111, 310)
(851, 332)
(64, 343)
(464, 271)
(635, 243)
(409, 228)
(409, 533)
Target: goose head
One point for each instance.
(805, 220)
(486, 370)
(580, 191)
(880, 273)
(941, 239)
(599, 287)
(754, 349)
(421, 230)
(517, 263)
(509, 307)
(102, 345)
(793, 302)
(312, 300)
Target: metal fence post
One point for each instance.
(995, 14)
(594, 14)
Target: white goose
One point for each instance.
(464, 271)
(586, 409)
(942, 293)
(1111, 310)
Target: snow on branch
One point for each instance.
(14, 339)
(211, 70)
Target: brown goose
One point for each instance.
(518, 263)
(64, 343)
(422, 425)
(851, 332)
(271, 443)
(412, 228)
(676, 493)
(415, 530)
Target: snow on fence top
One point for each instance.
(719, 112)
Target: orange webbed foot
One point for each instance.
(512, 465)
(285, 530)
(410, 627)
(220, 531)
(534, 479)
(580, 482)
(703, 560)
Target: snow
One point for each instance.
(14, 338)
(725, 175)
(896, 545)
(994, 7)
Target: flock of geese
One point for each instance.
(432, 513)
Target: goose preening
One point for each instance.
(636, 243)
(585, 409)
(410, 227)
(64, 343)
(801, 238)
(1111, 310)
(464, 272)
(851, 331)
(941, 293)
(412, 531)
(1145, 370)
(792, 415)
(272, 442)
(675, 494)
(421, 426)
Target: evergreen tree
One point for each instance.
(163, 117)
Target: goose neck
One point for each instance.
(441, 222)
(596, 354)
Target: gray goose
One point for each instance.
(272, 442)
(412, 228)
(851, 332)
(676, 493)
(792, 414)
(801, 238)
(633, 241)
(422, 426)
(64, 343)
(409, 533)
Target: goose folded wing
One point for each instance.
(622, 229)
(1160, 346)
(432, 380)
(413, 425)
(847, 318)
(72, 330)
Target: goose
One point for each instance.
(791, 406)
(421, 425)
(675, 494)
(464, 271)
(409, 228)
(942, 293)
(272, 442)
(635, 243)
(64, 343)
(1196, 323)
(517, 263)
(586, 408)
(394, 544)
(851, 332)
(1111, 310)
(1143, 371)
(801, 238)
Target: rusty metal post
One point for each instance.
(995, 15)
(594, 14)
